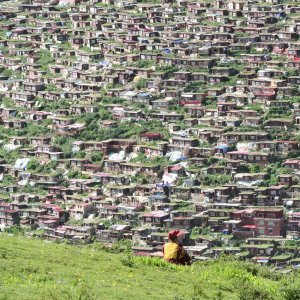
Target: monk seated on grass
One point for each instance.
(173, 250)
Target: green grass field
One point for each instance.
(36, 269)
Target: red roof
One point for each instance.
(239, 211)
(189, 102)
(276, 187)
(176, 168)
(290, 161)
(156, 214)
(91, 165)
(57, 187)
(237, 152)
(9, 210)
(263, 94)
(296, 213)
(296, 59)
(151, 134)
(101, 174)
(249, 226)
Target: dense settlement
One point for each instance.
(126, 119)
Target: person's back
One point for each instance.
(171, 252)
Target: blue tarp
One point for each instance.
(104, 63)
(143, 95)
(225, 148)
(180, 41)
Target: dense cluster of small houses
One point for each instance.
(126, 119)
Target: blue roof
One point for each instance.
(143, 94)
(222, 147)
(153, 197)
(179, 41)
(104, 63)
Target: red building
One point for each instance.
(269, 222)
(256, 222)
(155, 218)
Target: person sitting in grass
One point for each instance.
(174, 252)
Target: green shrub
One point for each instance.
(250, 291)
(291, 290)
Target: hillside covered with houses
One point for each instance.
(126, 119)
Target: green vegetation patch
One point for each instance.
(36, 269)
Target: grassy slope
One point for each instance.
(34, 269)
